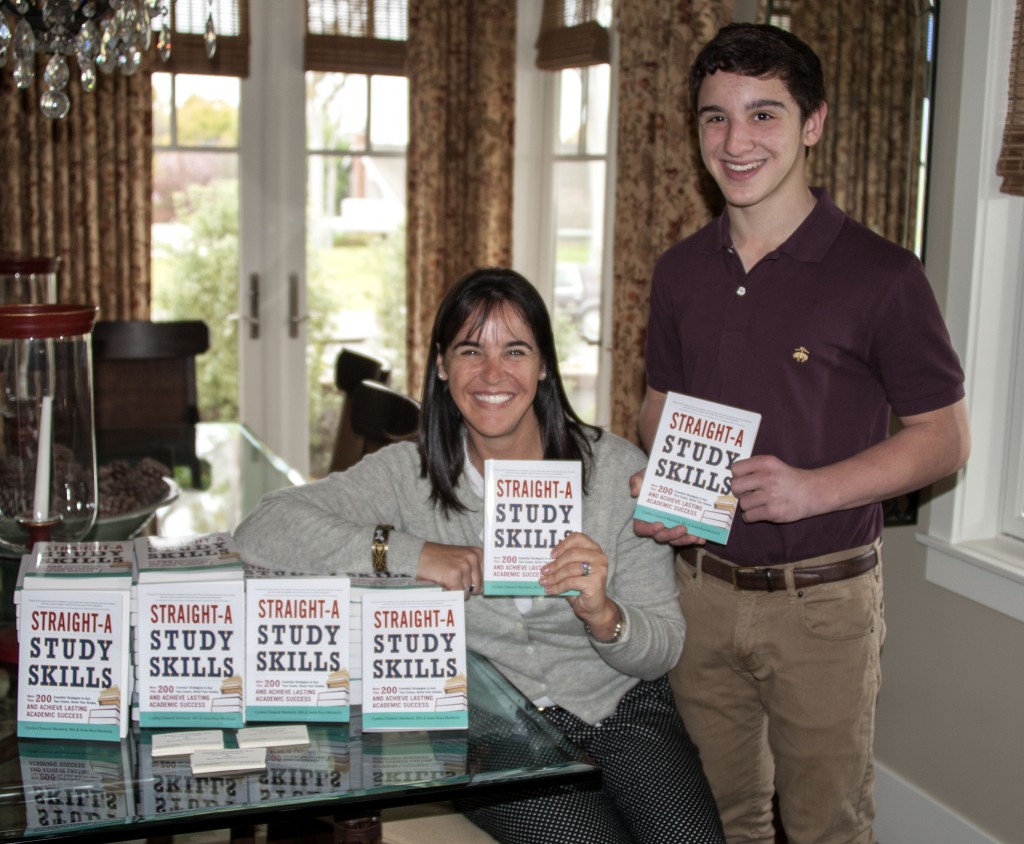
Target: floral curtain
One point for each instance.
(875, 79)
(461, 67)
(662, 193)
(79, 188)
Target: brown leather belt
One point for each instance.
(772, 578)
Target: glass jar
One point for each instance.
(28, 281)
(47, 442)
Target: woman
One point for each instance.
(594, 662)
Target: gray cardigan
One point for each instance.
(326, 526)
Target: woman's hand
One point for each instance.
(453, 567)
(579, 563)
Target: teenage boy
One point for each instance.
(785, 306)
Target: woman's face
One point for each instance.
(492, 375)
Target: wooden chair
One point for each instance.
(382, 415)
(350, 370)
(144, 390)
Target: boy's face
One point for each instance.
(752, 139)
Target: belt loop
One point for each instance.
(790, 580)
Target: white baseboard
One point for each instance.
(906, 815)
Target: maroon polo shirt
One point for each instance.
(822, 337)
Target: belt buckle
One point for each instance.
(742, 571)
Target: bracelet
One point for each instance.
(620, 626)
(379, 547)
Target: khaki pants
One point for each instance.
(777, 690)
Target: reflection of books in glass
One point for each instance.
(232, 759)
(393, 760)
(75, 785)
(172, 789)
(321, 767)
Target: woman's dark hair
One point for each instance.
(472, 301)
(767, 52)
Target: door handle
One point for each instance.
(253, 317)
(294, 319)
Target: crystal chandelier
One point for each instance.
(99, 34)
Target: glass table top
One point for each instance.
(107, 791)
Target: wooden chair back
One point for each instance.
(350, 370)
(144, 390)
(382, 415)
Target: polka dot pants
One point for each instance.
(652, 791)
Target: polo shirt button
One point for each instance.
(741, 291)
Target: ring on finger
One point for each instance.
(586, 569)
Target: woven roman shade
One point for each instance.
(1011, 158)
(188, 50)
(570, 35)
(356, 36)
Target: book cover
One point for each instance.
(360, 585)
(297, 649)
(206, 556)
(414, 655)
(191, 652)
(77, 785)
(73, 664)
(529, 507)
(689, 474)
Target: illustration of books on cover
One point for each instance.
(108, 710)
(689, 475)
(337, 691)
(230, 697)
(454, 697)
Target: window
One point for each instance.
(975, 539)
(564, 169)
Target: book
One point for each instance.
(688, 480)
(414, 652)
(191, 650)
(73, 664)
(529, 507)
(359, 586)
(169, 559)
(76, 785)
(297, 649)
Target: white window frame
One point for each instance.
(975, 240)
(533, 224)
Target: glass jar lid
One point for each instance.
(23, 322)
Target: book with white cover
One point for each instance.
(529, 507)
(689, 473)
(191, 654)
(414, 653)
(73, 664)
(206, 556)
(297, 649)
(75, 785)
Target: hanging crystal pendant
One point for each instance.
(54, 102)
(210, 36)
(24, 54)
(5, 40)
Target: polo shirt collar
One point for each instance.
(809, 243)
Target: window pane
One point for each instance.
(389, 126)
(337, 111)
(162, 110)
(579, 214)
(206, 110)
(570, 112)
(598, 94)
